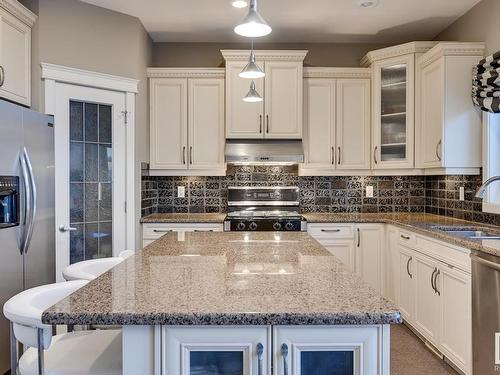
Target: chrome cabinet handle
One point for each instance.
(408, 267)
(359, 237)
(260, 352)
(284, 353)
(2, 75)
(66, 228)
(339, 158)
(333, 155)
(162, 230)
(267, 124)
(330, 230)
(184, 155)
(34, 199)
(432, 280)
(201, 230)
(375, 155)
(190, 154)
(260, 124)
(437, 150)
(405, 237)
(435, 282)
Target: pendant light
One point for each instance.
(253, 25)
(252, 70)
(252, 96)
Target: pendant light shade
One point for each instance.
(252, 96)
(252, 70)
(253, 25)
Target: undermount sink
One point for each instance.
(478, 233)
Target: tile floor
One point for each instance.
(409, 355)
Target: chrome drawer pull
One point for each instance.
(405, 237)
(330, 230)
(162, 230)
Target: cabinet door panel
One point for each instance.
(206, 123)
(243, 120)
(283, 99)
(369, 254)
(168, 121)
(15, 59)
(319, 118)
(353, 124)
(406, 296)
(342, 249)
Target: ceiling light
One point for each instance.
(253, 25)
(368, 3)
(252, 70)
(252, 96)
(239, 3)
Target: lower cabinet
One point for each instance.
(405, 279)
(152, 231)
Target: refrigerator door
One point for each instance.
(39, 151)
(11, 264)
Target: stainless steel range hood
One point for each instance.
(244, 151)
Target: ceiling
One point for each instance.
(294, 20)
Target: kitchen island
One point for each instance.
(239, 301)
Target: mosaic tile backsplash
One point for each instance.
(317, 194)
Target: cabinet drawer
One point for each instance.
(155, 231)
(406, 238)
(331, 230)
(449, 254)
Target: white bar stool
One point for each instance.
(76, 353)
(93, 268)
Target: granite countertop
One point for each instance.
(184, 218)
(227, 278)
(426, 224)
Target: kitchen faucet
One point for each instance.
(482, 189)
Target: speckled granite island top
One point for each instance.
(227, 278)
(184, 218)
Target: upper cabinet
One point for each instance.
(187, 122)
(393, 98)
(279, 115)
(336, 121)
(448, 130)
(15, 52)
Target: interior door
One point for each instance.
(243, 120)
(90, 174)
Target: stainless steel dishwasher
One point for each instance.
(485, 314)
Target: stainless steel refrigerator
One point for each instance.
(27, 223)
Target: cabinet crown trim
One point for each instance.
(327, 72)
(19, 11)
(277, 55)
(394, 51)
(452, 49)
(186, 72)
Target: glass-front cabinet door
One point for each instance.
(216, 350)
(329, 350)
(393, 123)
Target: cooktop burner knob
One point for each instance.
(253, 225)
(277, 226)
(240, 226)
(288, 226)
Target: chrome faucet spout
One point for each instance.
(482, 189)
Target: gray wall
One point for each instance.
(480, 24)
(79, 35)
(208, 54)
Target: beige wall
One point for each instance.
(79, 35)
(480, 24)
(208, 54)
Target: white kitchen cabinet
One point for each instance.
(15, 52)
(153, 231)
(448, 130)
(369, 254)
(342, 249)
(186, 122)
(406, 283)
(319, 349)
(336, 121)
(216, 350)
(279, 115)
(393, 94)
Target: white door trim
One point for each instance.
(52, 74)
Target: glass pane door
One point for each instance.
(91, 157)
(334, 362)
(216, 363)
(393, 112)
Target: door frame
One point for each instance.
(52, 75)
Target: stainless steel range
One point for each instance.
(263, 208)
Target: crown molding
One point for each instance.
(476, 49)
(186, 72)
(394, 51)
(268, 55)
(327, 72)
(19, 11)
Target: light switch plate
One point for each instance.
(181, 191)
(369, 191)
(461, 191)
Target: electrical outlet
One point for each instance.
(369, 191)
(461, 192)
(181, 191)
